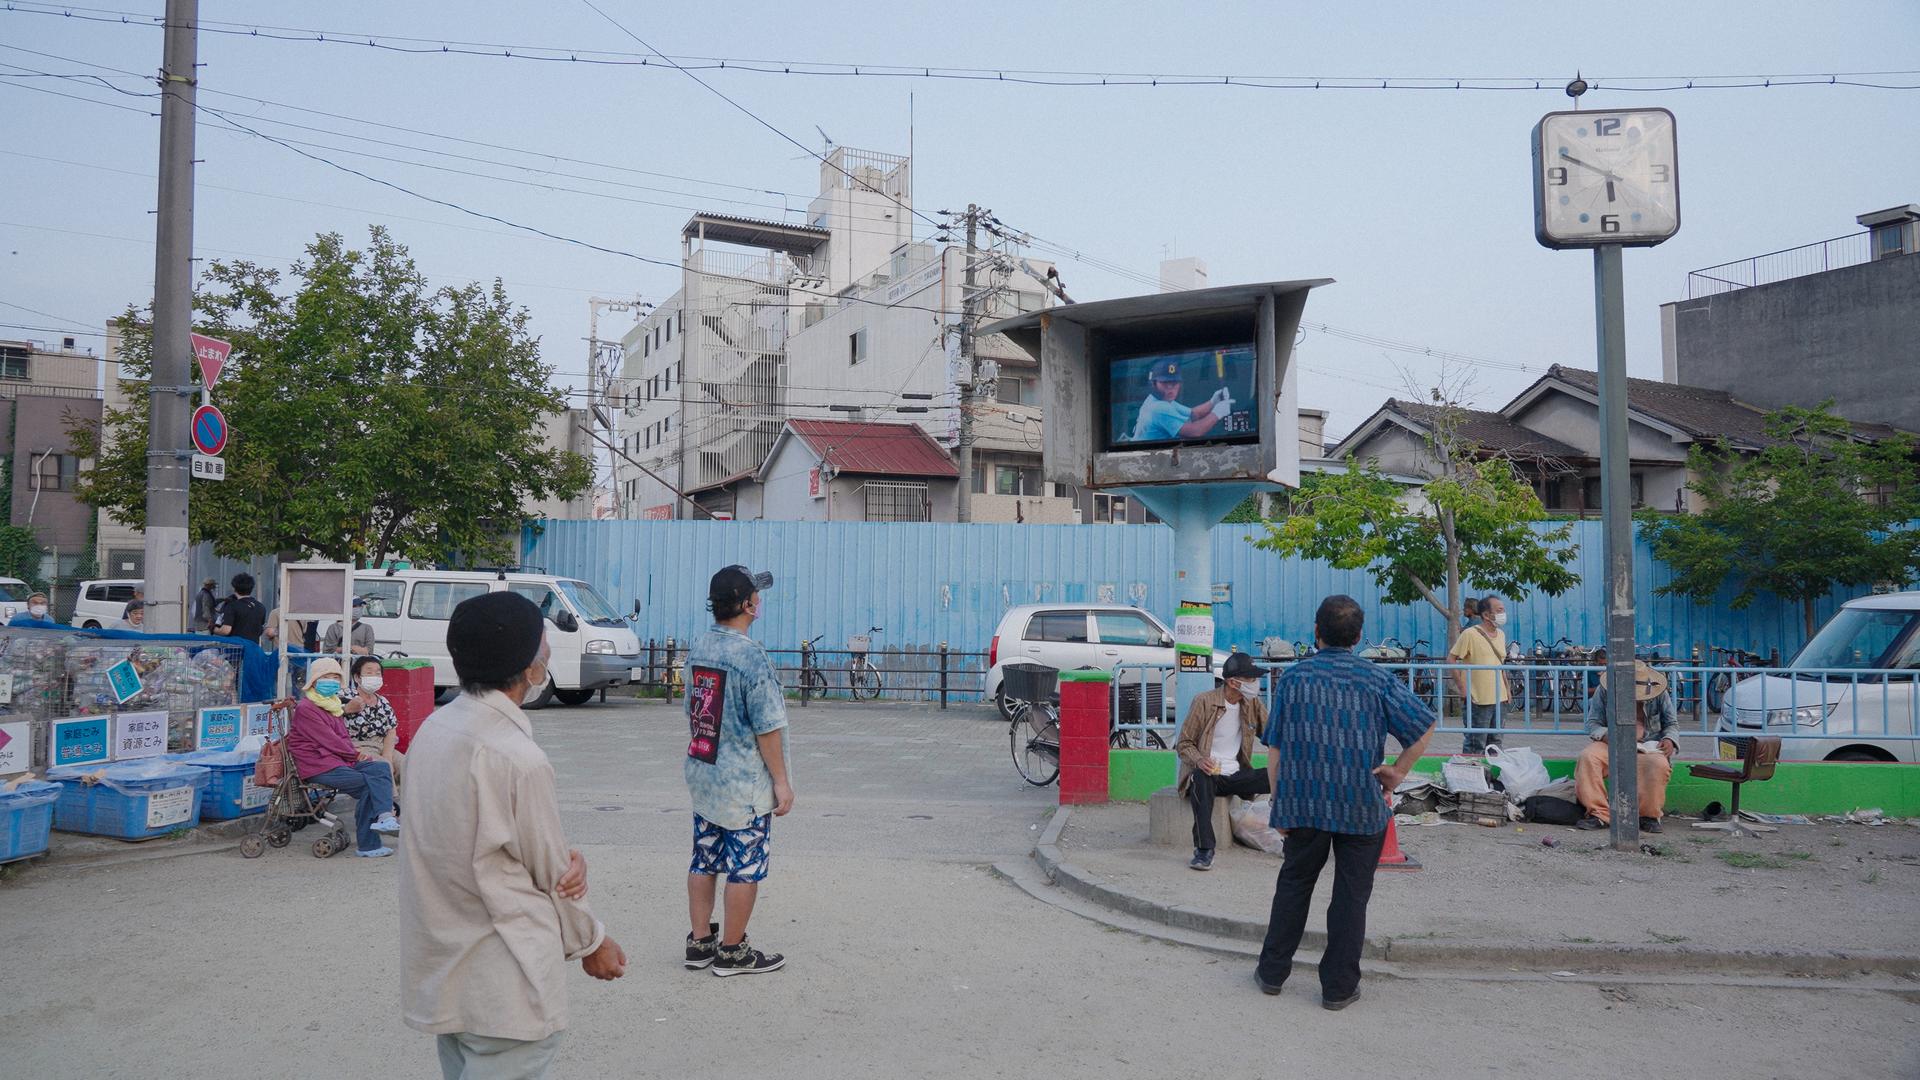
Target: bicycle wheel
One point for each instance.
(1717, 689)
(1573, 696)
(1035, 738)
(863, 681)
(1136, 739)
(815, 682)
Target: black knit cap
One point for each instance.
(493, 637)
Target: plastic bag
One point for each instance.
(1522, 773)
(1249, 821)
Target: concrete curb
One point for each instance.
(1424, 952)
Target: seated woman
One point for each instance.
(325, 755)
(370, 719)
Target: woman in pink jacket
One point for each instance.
(325, 754)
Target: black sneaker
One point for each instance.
(1202, 859)
(1651, 824)
(742, 959)
(700, 951)
(1589, 824)
(1335, 1006)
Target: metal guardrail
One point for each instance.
(1810, 705)
(1841, 251)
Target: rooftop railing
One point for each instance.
(1841, 251)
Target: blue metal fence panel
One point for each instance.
(928, 583)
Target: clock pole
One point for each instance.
(1623, 764)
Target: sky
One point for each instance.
(1417, 202)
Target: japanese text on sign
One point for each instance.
(171, 807)
(139, 735)
(81, 740)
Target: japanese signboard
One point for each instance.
(80, 740)
(16, 747)
(139, 735)
(219, 727)
(124, 678)
(1193, 636)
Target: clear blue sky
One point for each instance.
(1418, 203)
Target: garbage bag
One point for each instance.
(1249, 821)
(1522, 773)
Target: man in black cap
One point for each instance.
(362, 640)
(736, 772)
(491, 898)
(1216, 749)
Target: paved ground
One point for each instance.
(909, 958)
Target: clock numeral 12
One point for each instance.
(1607, 126)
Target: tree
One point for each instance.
(370, 416)
(1815, 509)
(1469, 524)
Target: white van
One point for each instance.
(593, 646)
(13, 597)
(103, 602)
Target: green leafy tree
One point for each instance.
(370, 415)
(1471, 524)
(1816, 509)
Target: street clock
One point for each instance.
(1605, 178)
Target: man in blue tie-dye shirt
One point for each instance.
(736, 772)
(1332, 713)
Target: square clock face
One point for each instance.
(1605, 178)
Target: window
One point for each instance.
(666, 425)
(897, 501)
(1109, 509)
(436, 599)
(382, 596)
(1125, 628)
(542, 597)
(646, 346)
(979, 479)
(856, 346)
(53, 472)
(1069, 626)
(666, 381)
(1013, 480)
(14, 362)
(669, 325)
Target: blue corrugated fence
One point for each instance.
(928, 583)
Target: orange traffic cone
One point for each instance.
(1391, 857)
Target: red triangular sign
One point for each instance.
(212, 354)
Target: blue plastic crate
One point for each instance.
(134, 800)
(26, 819)
(230, 792)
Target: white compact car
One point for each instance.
(1853, 684)
(103, 603)
(1067, 636)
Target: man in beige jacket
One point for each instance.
(1216, 749)
(491, 899)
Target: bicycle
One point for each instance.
(1722, 681)
(813, 681)
(1034, 732)
(863, 679)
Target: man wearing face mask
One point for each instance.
(492, 901)
(324, 754)
(736, 771)
(1216, 749)
(36, 614)
(1485, 692)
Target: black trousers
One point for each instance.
(1354, 860)
(1203, 788)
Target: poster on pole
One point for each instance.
(1193, 636)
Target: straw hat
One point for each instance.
(1648, 682)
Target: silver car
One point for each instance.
(1852, 687)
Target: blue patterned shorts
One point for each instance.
(741, 854)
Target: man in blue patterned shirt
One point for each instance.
(1331, 715)
(736, 772)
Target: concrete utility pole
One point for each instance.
(969, 317)
(170, 403)
(599, 392)
(1623, 762)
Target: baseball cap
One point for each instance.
(1240, 666)
(734, 584)
(1166, 371)
(359, 601)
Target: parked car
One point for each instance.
(593, 645)
(1069, 636)
(13, 597)
(103, 602)
(1854, 683)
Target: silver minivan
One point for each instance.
(1852, 685)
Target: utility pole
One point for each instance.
(599, 383)
(970, 374)
(1623, 763)
(168, 553)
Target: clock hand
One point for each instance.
(1608, 173)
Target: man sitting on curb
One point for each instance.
(1216, 749)
(1654, 721)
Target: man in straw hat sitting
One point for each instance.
(1654, 723)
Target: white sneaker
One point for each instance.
(376, 853)
(387, 824)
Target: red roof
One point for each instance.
(852, 446)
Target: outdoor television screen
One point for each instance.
(1186, 396)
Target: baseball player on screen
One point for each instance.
(1163, 417)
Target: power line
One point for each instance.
(688, 64)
